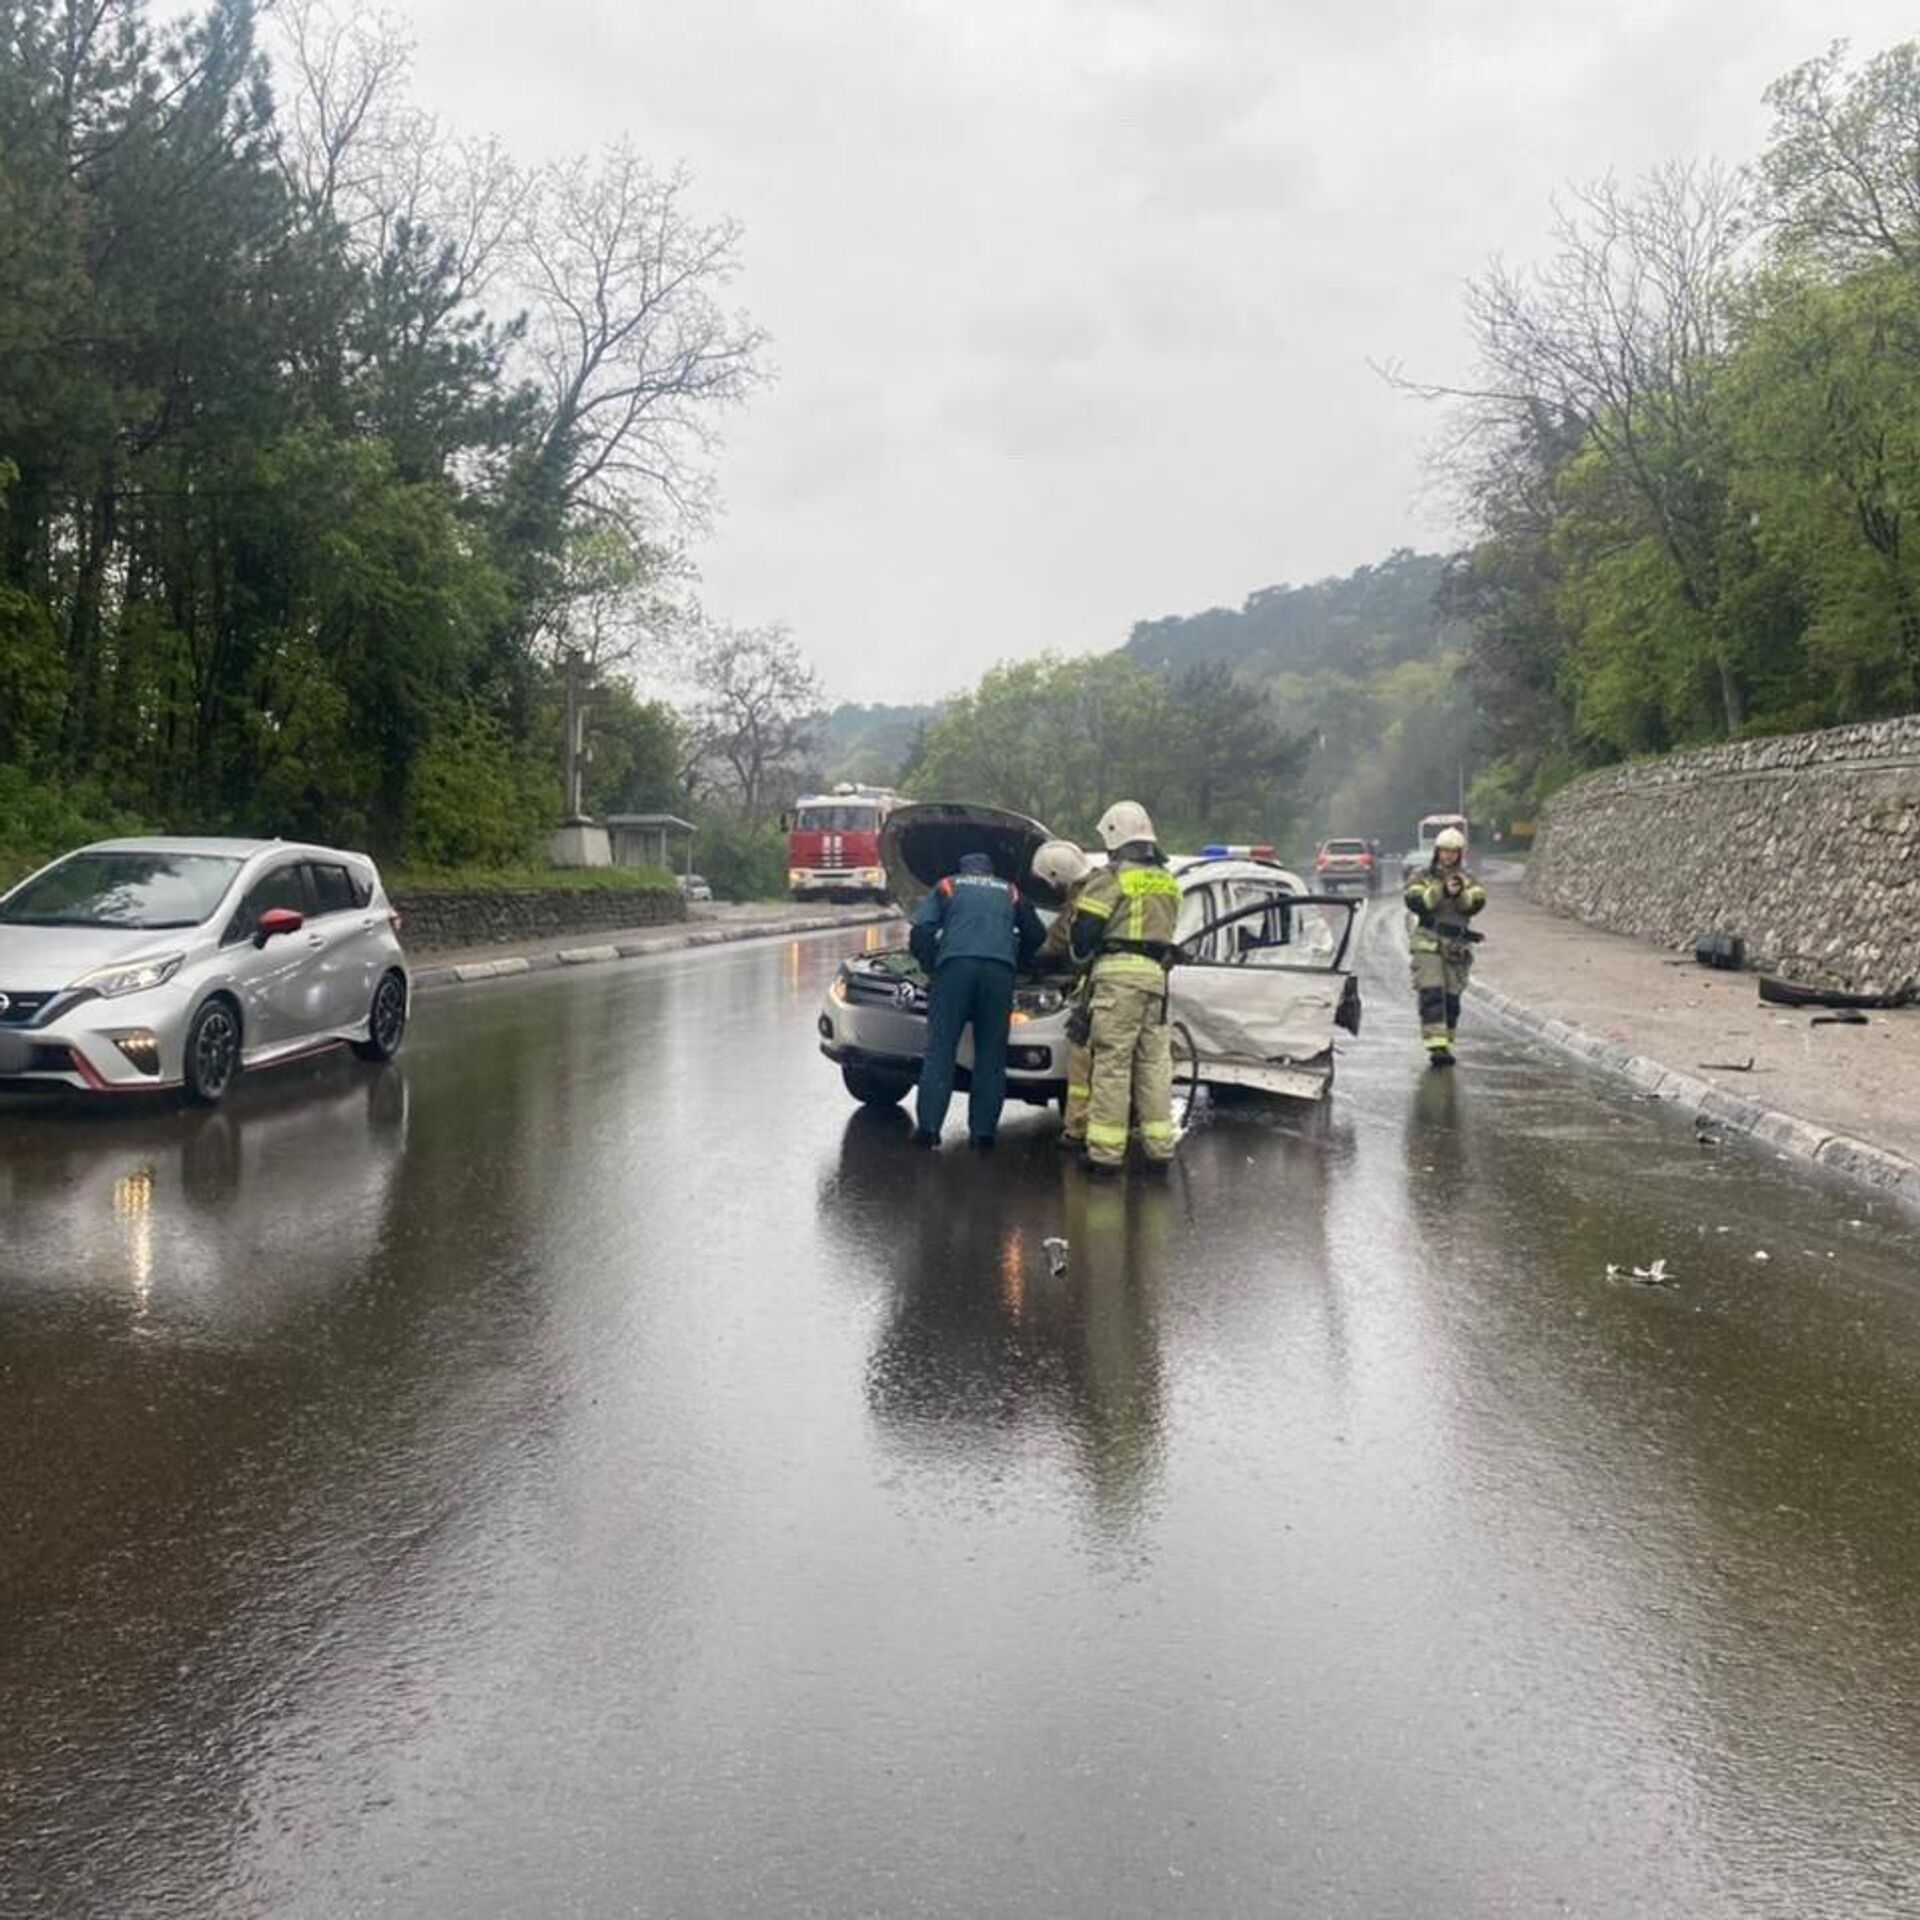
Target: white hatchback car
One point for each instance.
(1260, 990)
(138, 965)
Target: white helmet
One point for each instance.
(1123, 823)
(1061, 865)
(1449, 838)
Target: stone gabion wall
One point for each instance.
(441, 921)
(1807, 846)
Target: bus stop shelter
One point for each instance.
(651, 840)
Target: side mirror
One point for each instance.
(786, 823)
(276, 920)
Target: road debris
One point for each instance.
(1056, 1252)
(1726, 1066)
(1653, 1276)
(1845, 1018)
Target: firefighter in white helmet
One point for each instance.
(1443, 898)
(1065, 868)
(1123, 929)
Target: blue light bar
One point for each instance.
(1215, 853)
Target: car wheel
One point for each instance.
(212, 1054)
(386, 1020)
(874, 1089)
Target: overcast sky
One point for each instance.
(1073, 302)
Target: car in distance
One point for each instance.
(138, 966)
(693, 887)
(1346, 863)
(1255, 1002)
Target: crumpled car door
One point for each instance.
(1261, 990)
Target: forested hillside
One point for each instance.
(1334, 706)
(868, 744)
(1362, 670)
(1370, 620)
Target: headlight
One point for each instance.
(1037, 1002)
(837, 993)
(136, 976)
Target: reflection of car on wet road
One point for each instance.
(137, 965)
(1260, 990)
(224, 1220)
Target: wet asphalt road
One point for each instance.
(592, 1469)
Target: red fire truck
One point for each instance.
(833, 844)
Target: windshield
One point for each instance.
(143, 892)
(837, 820)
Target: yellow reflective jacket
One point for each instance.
(1439, 917)
(1136, 904)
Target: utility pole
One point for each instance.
(574, 747)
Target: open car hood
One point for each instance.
(922, 843)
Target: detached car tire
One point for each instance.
(212, 1054)
(873, 1089)
(386, 1020)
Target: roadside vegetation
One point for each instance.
(341, 453)
(1692, 450)
(334, 441)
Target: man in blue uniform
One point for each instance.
(971, 934)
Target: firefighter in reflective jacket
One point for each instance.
(970, 934)
(1123, 927)
(1442, 900)
(1066, 870)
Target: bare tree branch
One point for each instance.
(632, 349)
(752, 717)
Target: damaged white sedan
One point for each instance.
(1259, 992)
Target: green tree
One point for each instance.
(1825, 411)
(1842, 172)
(297, 455)
(1061, 739)
(637, 754)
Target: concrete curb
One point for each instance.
(463, 973)
(1859, 1161)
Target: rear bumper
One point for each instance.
(1311, 1081)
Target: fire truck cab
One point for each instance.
(833, 844)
